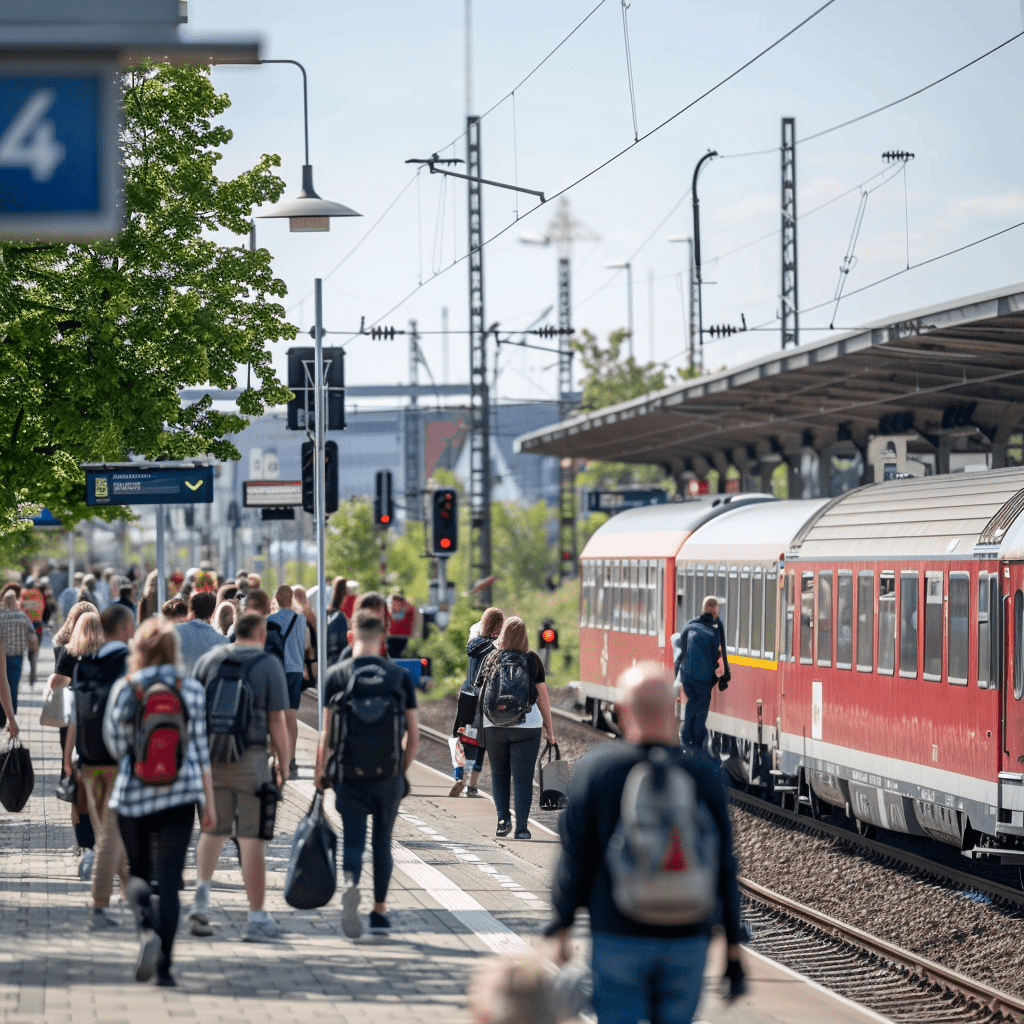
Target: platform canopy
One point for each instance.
(949, 378)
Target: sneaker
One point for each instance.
(149, 950)
(379, 924)
(100, 920)
(504, 827)
(293, 769)
(472, 791)
(199, 926)
(351, 923)
(264, 930)
(456, 790)
(85, 864)
(522, 833)
(166, 980)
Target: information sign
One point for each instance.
(272, 493)
(148, 485)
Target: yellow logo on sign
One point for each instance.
(195, 486)
(101, 487)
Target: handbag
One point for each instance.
(56, 712)
(312, 873)
(17, 778)
(554, 779)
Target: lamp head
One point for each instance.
(307, 211)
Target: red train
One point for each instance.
(876, 642)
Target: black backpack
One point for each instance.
(509, 692)
(367, 723)
(229, 703)
(337, 635)
(91, 682)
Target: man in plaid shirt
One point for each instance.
(18, 635)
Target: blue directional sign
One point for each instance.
(148, 485)
(60, 172)
(45, 518)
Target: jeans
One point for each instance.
(158, 842)
(357, 801)
(698, 703)
(14, 662)
(639, 978)
(513, 754)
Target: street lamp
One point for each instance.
(308, 212)
(628, 267)
(710, 154)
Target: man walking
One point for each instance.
(18, 635)
(91, 685)
(244, 795)
(295, 635)
(366, 761)
(697, 650)
(650, 915)
(196, 635)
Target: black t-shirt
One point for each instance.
(336, 678)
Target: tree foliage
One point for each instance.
(522, 553)
(351, 545)
(608, 379)
(99, 338)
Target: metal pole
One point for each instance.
(298, 546)
(319, 503)
(629, 286)
(71, 558)
(161, 571)
(696, 249)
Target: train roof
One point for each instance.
(658, 531)
(758, 532)
(960, 515)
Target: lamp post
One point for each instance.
(696, 247)
(308, 212)
(628, 267)
(693, 330)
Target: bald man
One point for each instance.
(642, 971)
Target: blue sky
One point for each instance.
(386, 83)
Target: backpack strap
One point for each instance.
(291, 626)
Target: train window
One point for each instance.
(691, 590)
(1018, 645)
(657, 612)
(616, 596)
(844, 620)
(756, 612)
(865, 621)
(984, 631)
(933, 625)
(825, 618)
(787, 631)
(771, 609)
(959, 630)
(721, 584)
(645, 600)
(682, 596)
(654, 604)
(886, 623)
(909, 600)
(584, 593)
(637, 597)
(744, 611)
(732, 610)
(997, 619)
(608, 595)
(807, 618)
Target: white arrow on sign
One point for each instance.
(31, 138)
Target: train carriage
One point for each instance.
(876, 642)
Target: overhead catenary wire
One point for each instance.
(629, 66)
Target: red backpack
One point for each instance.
(161, 731)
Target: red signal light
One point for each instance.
(385, 519)
(425, 662)
(548, 635)
(445, 543)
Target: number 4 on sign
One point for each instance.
(31, 138)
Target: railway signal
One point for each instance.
(330, 472)
(547, 636)
(383, 502)
(445, 522)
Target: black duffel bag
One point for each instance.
(16, 776)
(312, 868)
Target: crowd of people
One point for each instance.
(166, 708)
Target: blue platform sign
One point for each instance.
(60, 171)
(45, 518)
(122, 485)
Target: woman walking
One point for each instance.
(157, 820)
(513, 748)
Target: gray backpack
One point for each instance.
(663, 854)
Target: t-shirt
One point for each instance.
(534, 719)
(266, 680)
(336, 679)
(32, 603)
(295, 644)
(196, 638)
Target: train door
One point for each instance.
(1007, 594)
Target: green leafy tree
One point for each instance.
(608, 379)
(98, 338)
(351, 545)
(522, 553)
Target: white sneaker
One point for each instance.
(263, 930)
(351, 922)
(149, 950)
(85, 864)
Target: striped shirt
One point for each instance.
(16, 632)
(131, 797)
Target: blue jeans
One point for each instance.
(639, 978)
(513, 754)
(357, 801)
(14, 676)
(698, 702)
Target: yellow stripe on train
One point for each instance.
(739, 659)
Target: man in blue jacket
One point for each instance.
(642, 971)
(697, 649)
